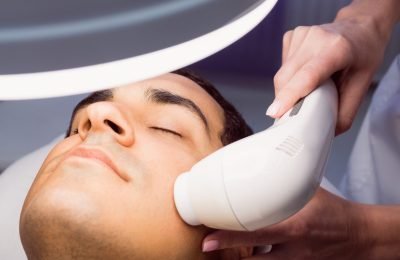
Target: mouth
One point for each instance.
(97, 155)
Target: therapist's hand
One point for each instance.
(326, 228)
(349, 50)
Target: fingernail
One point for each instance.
(273, 108)
(210, 245)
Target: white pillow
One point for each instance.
(15, 182)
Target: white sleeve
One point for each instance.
(373, 174)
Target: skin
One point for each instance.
(329, 227)
(82, 208)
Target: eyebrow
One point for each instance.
(162, 96)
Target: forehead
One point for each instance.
(174, 83)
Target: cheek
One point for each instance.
(157, 223)
(157, 189)
(166, 157)
(50, 163)
(155, 213)
(163, 167)
(61, 148)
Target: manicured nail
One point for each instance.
(273, 108)
(210, 245)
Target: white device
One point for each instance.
(264, 178)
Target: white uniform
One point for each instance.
(374, 167)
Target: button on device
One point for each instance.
(295, 110)
(297, 107)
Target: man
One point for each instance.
(106, 190)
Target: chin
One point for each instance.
(64, 224)
(53, 207)
(71, 195)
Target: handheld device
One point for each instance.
(264, 178)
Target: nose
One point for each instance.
(106, 117)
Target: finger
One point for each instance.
(299, 52)
(291, 62)
(277, 252)
(261, 257)
(293, 40)
(351, 94)
(300, 33)
(307, 78)
(267, 256)
(287, 39)
(228, 239)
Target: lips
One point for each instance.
(96, 154)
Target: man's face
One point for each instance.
(110, 184)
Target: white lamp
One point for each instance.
(111, 43)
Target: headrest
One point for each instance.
(14, 185)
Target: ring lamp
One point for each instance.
(51, 48)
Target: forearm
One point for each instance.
(384, 14)
(379, 229)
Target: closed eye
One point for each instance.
(166, 131)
